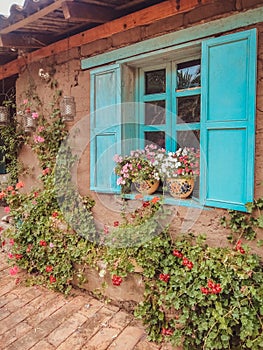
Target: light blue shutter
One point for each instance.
(105, 125)
(228, 120)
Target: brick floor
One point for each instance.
(35, 318)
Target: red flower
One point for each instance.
(49, 268)
(19, 256)
(10, 188)
(213, 288)
(116, 223)
(52, 279)
(19, 185)
(177, 254)
(239, 247)
(145, 204)
(155, 200)
(165, 277)
(11, 241)
(3, 243)
(55, 214)
(167, 331)
(43, 243)
(1, 228)
(190, 265)
(116, 280)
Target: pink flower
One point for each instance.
(46, 171)
(7, 210)
(11, 241)
(40, 128)
(25, 101)
(10, 255)
(34, 115)
(39, 139)
(13, 271)
(51, 245)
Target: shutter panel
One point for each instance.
(228, 120)
(105, 130)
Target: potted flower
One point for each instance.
(179, 170)
(137, 168)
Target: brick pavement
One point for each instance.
(36, 318)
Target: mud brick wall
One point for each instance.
(72, 80)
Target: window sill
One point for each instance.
(169, 200)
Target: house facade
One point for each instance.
(175, 74)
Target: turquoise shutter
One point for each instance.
(105, 126)
(228, 120)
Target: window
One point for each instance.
(205, 100)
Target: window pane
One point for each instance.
(188, 74)
(155, 82)
(155, 137)
(155, 112)
(188, 138)
(188, 109)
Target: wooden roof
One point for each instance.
(39, 23)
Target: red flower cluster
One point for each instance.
(213, 288)
(145, 204)
(52, 279)
(164, 277)
(49, 268)
(185, 262)
(43, 243)
(167, 331)
(54, 214)
(239, 247)
(116, 280)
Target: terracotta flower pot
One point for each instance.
(180, 187)
(147, 186)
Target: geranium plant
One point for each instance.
(136, 167)
(182, 163)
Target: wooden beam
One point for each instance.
(35, 16)
(140, 18)
(27, 41)
(79, 11)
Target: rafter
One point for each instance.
(34, 17)
(79, 11)
(27, 41)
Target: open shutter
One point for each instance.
(228, 120)
(105, 130)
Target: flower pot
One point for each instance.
(180, 187)
(147, 186)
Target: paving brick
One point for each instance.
(14, 333)
(16, 317)
(121, 320)
(53, 302)
(68, 327)
(26, 298)
(127, 339)
(102, 339)
(43, 329)
(44, 345)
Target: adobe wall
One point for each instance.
(71, 79)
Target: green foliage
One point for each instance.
(12, 138)
(246, 225)
(184, 310)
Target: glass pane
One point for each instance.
(188, 109)
(188, 138)
(155, 82)
(155, 137)
(188, 74)
(154, 112)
